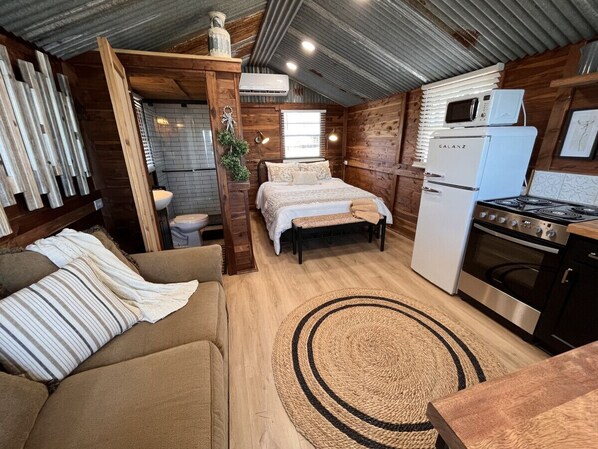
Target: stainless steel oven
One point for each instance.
(509, 272)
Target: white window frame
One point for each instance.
(145, 141)
(435, 97)
(322, 136)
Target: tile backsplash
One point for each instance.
(181, 139)
(570, 187)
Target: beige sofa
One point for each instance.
(162, 385)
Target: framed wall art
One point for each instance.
(581, 132)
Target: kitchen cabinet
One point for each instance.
(570, 319)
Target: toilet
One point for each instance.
(185, 229)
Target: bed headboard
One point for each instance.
(262, 170)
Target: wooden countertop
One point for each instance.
(585, 229)
(552, 404)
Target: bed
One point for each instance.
(280, 202)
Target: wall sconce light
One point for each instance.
(333, 136)
(162, 121)
(261, 139)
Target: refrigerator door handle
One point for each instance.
(428, 174)
(430, 190)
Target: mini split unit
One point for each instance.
(264, 84)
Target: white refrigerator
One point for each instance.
(464, 165)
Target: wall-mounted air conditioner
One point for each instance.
(264, 84)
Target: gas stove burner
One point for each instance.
(510, 202)
(534, 201)
(559, 213)
(586, 210)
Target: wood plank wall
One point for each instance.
(110, 172)
(266, 118)
(380, 155)
(78, 212)
(380, 149)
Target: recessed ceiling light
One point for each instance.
(308, 46)
(292, 66)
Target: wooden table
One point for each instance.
(552, 404)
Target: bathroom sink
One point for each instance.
(162, 198)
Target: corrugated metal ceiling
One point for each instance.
(68, 28)
(371, 48)
(366, 49)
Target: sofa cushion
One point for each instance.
(21, 269)
(102, 235)
(50, 327)
(203, 318)
(20, 402)
(171, 399)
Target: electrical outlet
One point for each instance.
(98, 203)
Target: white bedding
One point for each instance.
(280, 203)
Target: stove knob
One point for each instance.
(538, 231)
(551, 234)
(491, 217)
(483, 214)
(513, 223)
(502, 220)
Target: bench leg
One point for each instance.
(300, 244)
(370, 232)
(382, 232)
(294, 239)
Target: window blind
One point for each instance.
(303, 133)
(436, 96)
(147, 148)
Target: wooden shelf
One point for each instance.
(576, 81)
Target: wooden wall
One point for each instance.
(78, 211)
(108, 164)
(266, 118)
(380, 150)
(382, 134)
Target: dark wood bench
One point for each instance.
(331, 221)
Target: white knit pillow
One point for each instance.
(321, 169)
(304, 178)
(52, 326)
(281, 172)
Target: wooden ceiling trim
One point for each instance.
(243, 33)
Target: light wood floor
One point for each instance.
(258, 303)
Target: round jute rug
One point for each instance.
(356, 368)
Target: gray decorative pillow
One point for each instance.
(52, 326)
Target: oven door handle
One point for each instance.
(547, 249)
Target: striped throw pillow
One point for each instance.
(52, 326)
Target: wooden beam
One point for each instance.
(395, 169)
(587, 79)
(49, 227)
(148, 62)
(402, 118)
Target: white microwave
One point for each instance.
(497, 107)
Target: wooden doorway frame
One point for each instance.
(120, 96)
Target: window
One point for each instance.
(303, 133)
(147, 148)
(436, 96)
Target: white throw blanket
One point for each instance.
(154, 301)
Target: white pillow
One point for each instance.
(52, 326)
(281, 172)
(321, 169)
(304, 178)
